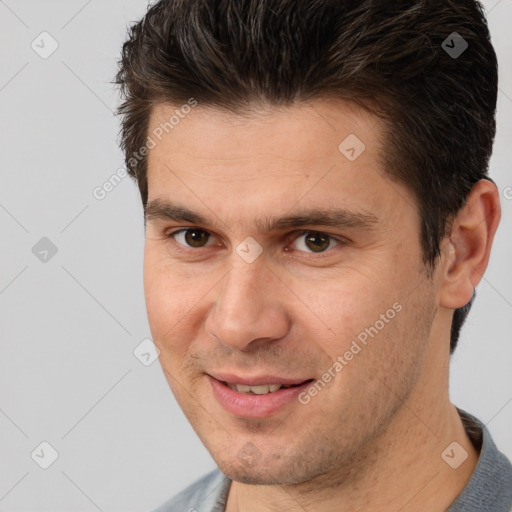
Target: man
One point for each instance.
(318, 214)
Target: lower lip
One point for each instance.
(255, 406)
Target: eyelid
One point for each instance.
(171, 233)
(339, 240)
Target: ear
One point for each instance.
(466, 249)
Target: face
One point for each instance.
(278, 252)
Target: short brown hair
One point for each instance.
(392, 58)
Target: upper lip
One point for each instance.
(256, 380)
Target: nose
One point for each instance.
(248, 309)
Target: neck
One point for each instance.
(401, 469)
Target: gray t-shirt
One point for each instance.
(488, 490)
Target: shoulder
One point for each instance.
(490, 487)
(209, 493)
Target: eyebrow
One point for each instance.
(337, 218)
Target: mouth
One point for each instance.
(256, 400)
(261, 389)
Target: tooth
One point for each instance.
(256, 390)
(260, 390)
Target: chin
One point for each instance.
(265, 474)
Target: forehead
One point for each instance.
(325, 153)
(307, 129)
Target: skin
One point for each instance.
(372, 438)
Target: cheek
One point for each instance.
(370, 319)
(177, 299)
(168, 297)
(343, 306)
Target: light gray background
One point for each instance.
(69, 326)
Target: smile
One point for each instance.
(256, 401)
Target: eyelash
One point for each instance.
(296, 235)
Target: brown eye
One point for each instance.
(314, 241)
(196, 237)
(192, 237)
(317, 242)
